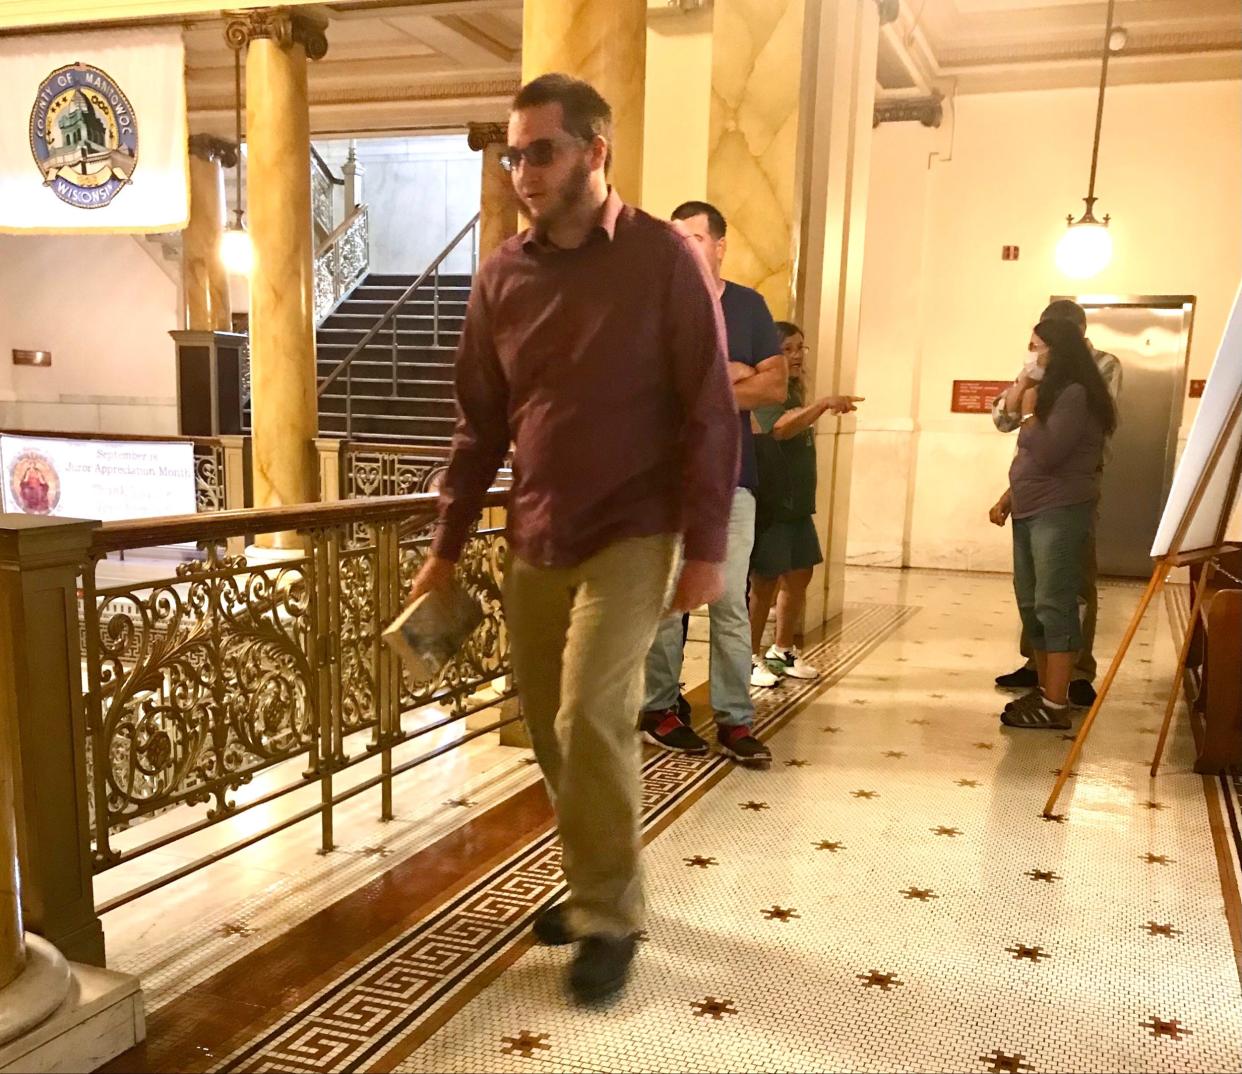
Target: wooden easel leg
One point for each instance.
(1195, 607)
(1161, 572)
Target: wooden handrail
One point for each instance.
(340, 229)
(324, 168)
(220, 525)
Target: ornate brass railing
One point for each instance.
(198, 682)
(389, 469)
(341, 261)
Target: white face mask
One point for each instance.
(1032, 368)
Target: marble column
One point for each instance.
(753, 139)
(204, 282)
(605, 43)
(840, 42)
(498, 210)
(282, 328)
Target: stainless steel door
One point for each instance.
(1151, 337)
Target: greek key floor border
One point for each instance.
(381, 1009)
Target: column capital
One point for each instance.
(212, 149)
(481, 135)
(287, 28)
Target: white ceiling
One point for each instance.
(988, 45)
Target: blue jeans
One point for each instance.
(1047, 575)
(729, 659)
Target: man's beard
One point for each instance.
(568, 198)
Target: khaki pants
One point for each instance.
(579, 637)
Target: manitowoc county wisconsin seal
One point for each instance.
(83, 136)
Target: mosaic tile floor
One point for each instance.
(885, 897)
(898, 903)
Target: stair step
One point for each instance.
(404, 279)
(387, 407)
(407, 388)
(378, 366)
(351, 337)
(368, 425)
(375, 308)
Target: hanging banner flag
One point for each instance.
(93, 132)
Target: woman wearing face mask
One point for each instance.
(786, 544)
(1053, 488)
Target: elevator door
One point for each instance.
(1151, 337)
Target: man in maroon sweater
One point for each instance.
(594, 343)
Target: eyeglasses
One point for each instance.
(539, 154)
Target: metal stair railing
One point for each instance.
(391, 319)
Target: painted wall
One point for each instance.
(104, 308)
(939, 304)
(421, 192)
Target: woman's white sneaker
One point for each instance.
(792, 663)
(762, 676)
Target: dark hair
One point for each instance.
(785, 329)
(1066, 309)
(584, 112)
(688, 210)
(1070, 362)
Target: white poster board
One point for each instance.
(1219, 397)
(96, 479)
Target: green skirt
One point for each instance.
(781, 547)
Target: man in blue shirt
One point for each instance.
(759, 374)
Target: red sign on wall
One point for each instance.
(975, 396)
(1196, 388)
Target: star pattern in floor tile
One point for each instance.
(1172, 1029)
(1021, 951)
(713, 1008)
(781, 913)
(525, 1044)
(1002, 1063)
(973, 937)
(885, 982)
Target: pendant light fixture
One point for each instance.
(236, 251)
(1086, 248)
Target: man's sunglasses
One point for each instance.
(539, 154)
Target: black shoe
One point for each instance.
(551, 928)
(1032, 713)
(1081, 694)
(664, 728)
(741, 744)
(683, 709)
(1022, 679)
(601, 967)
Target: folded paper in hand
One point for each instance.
(432, 630)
